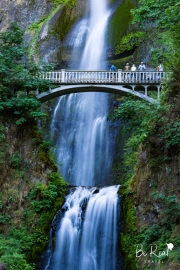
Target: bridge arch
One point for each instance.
(121, 90)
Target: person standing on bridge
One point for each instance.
(141, 68)
(113, 68)
(133, 68)
(127, 67)
(133, 75)
(160, 75)
(161, 68)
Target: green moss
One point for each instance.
(25, 220)
(35, 28)
(112, 1)
(45, 201)
(128, 237)
(65, 21)
(119, 23)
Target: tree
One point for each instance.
(161, 20)
(153, 13)
(157, 24)
(18, 74)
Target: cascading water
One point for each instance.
(90, 244)
(87, 233)
(92, 55)
(84, 137)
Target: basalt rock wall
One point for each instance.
(47, 24)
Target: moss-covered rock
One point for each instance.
(119, 23)
(32, 191)
(151, 200)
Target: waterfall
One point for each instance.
(92, 55)
(90, 244)
(98, 243)
(86, 235)
(84, 134)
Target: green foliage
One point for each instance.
(15, 159)
(15, 74)
(172, 134)
(137, 117)
(25, 244)
(163, 30)
(46, 196)
(129, 236)
(162, 47)
(130, 41)
(151, 235)
(4, 218)
(18, 76)
(11, 253)
(16, 261)
(158, 234)
(42, 197)
(26, 108)
(57, 180)
(150, 11)
(140, 121)
(171, 204)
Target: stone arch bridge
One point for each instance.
(118, 82)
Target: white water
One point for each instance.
(88, 245)
(83, 146)
(83, 149)
(93, 52)
(99, 233)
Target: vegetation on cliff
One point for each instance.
(151, 159)
(119, 23)
(152, 151)
(31, 189)
(155, 24)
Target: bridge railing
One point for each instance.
(119, 76)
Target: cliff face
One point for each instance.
(152, 199)
(23, 163)
(31, 192)
(46, 24)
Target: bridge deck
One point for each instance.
(115, 77)
(117, 82)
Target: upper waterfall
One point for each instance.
(93, 51)
(83, 144)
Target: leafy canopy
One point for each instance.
(161, 21)
(157, 23)
(137, 118)
(162, 13)
(18, 76)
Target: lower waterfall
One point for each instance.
(86, 234)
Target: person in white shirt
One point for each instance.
(133, 68)
(133, 75)
(142, 66)
(160, 67)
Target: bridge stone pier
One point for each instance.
(118, 82)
